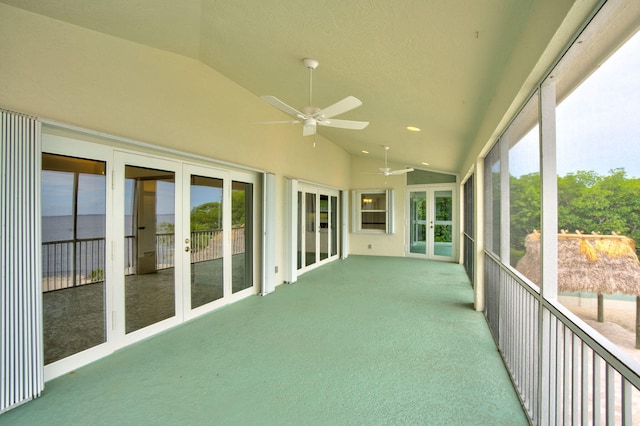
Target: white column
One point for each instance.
(291, 225)
(548, 245)
(268, 233)
(549, 190)
(479, 193)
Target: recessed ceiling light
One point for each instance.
(413, 129)
(425, 163)
(365, 152)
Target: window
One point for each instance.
(372, 211)
(492, 205)
(73, 255)
(597, 133)
(522, 138)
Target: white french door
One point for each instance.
(135, 244)
(217, 244)
(148, 226)
(430, 222)
(318, 227)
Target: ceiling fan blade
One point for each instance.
(401, 171)
(278, 122)
(347, 104)
(283, 107)
(344, 124)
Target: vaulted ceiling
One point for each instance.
(433, 64)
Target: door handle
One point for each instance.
(186, 248)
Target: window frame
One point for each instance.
(358, 211)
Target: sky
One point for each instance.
(598, 125)
(57, 194)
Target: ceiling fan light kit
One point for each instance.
(311, 116)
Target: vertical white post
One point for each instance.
(549, 237)
(268, 233)
(344, 224)
(505, 201)
(291, 243)
(549, 190)
(479, 221)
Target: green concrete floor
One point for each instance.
(364, 341)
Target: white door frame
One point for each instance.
(306, 188)
(116, 159)
(430, 191)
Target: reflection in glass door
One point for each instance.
(205, 240)
(430, 224)
(324, 226)
(73, 255)
(310, 229)
(149, 246)
(241, 236)
(333, 229)
(418, 222)
(443, 223)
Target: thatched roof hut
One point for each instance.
(600, 264)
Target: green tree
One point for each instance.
(524, 211)
(237, 207)
(206, 217)
(593, 203)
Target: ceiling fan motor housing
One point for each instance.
(310, 63)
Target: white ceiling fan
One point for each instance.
(312, 116)
(386, 171)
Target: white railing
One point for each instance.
(564, 371)
(72, 263)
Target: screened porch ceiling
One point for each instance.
(455, 69)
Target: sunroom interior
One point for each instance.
(148, 180)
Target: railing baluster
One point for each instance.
(626, 390)
(597, 397)
(584, 385)
(610, 395)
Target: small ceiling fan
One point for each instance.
(312, 116)
(386, 171)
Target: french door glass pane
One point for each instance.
(241, 235)
(206, 239)
(310, 228)
(73, 255)
(418, 211)
(300, 228)
(149, 246)
(324, 227)
(334, 225)
(443, 224)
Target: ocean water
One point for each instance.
(57, 248)
(60, 228)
